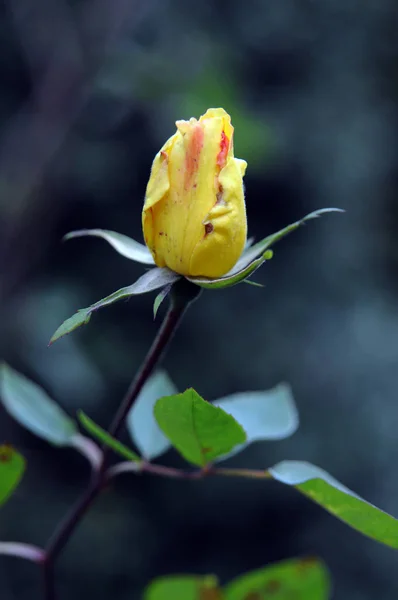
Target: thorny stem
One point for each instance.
(182, 294)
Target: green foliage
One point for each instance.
(301, 579)
(200, 431)
(184, 587)
(32, 408)
(264, 415)
(100, 434)
(341, 502)
(12, 467)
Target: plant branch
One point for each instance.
(181, 296)
(247, 473)
(173, 473)
(154, 469)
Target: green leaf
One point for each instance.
(198, 430)
(267, 415)
(184, 587)
(250, 253)
(103, 436)
(322, 488)
(301, 579)
(31, 406)
(141, 422)
(12, 467)
(123, 244)
(152, 280)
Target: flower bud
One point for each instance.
(194, 216)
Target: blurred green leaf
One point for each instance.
(322, 488)
(267, 415)
(184, 587)
(301, 579)
(141, 422)
(198, 430)
(103, 436)
(12, 467)
(151, 280)
(123, 244)
(31, 406)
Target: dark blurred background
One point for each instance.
(89, 92)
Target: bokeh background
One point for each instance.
(89, 92)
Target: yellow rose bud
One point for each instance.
(194, 216)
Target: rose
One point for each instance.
(194, 216)
(194, 219)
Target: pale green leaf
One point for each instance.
(33, 408)
(141, 422)
(264, 415)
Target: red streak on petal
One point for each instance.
(224, 147)
(194, 148)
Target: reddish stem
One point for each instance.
(182, 294)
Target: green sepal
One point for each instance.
(254, 256)
(123, 244)
(159, 299)
(229, 281)
(152, 280)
